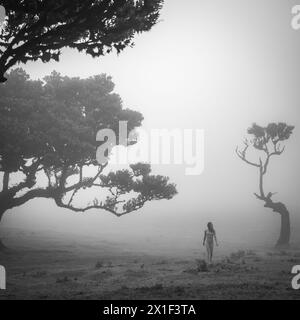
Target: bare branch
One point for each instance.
(59, 202)
(242, 156)
(277, 152)
(30, 195)
(86, 182)
(29, 182)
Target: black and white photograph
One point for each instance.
(149, 151)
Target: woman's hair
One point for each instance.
(210, 227)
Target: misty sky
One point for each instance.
(217, 65)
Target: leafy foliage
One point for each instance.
(273, 132)
(49, 128)
(39, 29)
(57, 120)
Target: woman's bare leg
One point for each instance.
(211, 252)
(208, 253)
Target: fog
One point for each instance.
(212, 65)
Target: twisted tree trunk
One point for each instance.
(2, 211)
(285, 228)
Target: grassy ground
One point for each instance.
(53, 268)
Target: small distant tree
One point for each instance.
(39, 29)
(48, 146)
(267, 141)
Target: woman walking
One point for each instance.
(209, 237)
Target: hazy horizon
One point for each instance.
(213, 65)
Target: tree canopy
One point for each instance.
(273, 132)
(48, 132)
(39, 29)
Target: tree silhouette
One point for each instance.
(39, 29)
(267, 140)
(48, 136)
